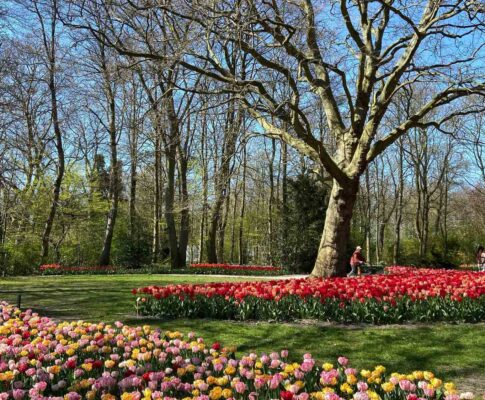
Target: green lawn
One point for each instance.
(453, 351)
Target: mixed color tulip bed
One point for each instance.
(44, 359)
(231, 269)
(403, 294)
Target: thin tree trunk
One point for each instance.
(242, 248)
(399, 209)
(233, 226)
(132, 205)
(222, 227)
(271, 201)
(115, 172)
(51, 53)
(178, 243)
(185, 213)
(3, 230)
(205, 190)
(284, 205)
(156, 200)
(222, 179)
(368, 218)
(170, 205)
(444, 219)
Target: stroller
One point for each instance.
(480, 258)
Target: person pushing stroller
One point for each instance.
(356, 261)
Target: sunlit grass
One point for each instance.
(452, 351)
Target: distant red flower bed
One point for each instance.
(403, 294)
(59, 269)
(233, 267)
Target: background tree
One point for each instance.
(354, 72)
(219, 107)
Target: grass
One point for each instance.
(451, 351)
(90, 297)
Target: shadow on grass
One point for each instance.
(451, 351)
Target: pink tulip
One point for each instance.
(343, 361)
(240, 387)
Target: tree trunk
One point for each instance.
(185, 213)
(50, 50)
(368, 218)
(222, 227)
(332, 253)
(223, 178)
(242, 247)
(444, 220)
(133, 187)
(178, 243)
(3, 230)
(115, 172)
(156, 201)
(233, 226)
(105, 257)
(271, 202)
(205, 188)
(170, 206)
(284, 205)
(399, 209)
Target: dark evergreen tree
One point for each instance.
(307, 202)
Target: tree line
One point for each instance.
(135, 133)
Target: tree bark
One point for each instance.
(233, 227)
(242, 248)
(205, 190)
(156, 200)
(368, 212)
(50, 49)
(171, 153)
(223, 178)
(332, 252)
(177, 242)
(185, 213)
(271, 201)
(399, 209)
(284, 203)
(105, 256)
(133, 189)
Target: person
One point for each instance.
(480, 258)
(356, 261)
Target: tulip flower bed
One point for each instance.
(404, 294)
(58, 269)
(43, 359)
(231, 269)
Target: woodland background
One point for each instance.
(155, 166)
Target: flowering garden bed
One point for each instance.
(203, 269)
(44, 359)
(404, 294)
(231, 269)
(58, 269)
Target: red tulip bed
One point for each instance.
(58, 269)
(43, 359)
(231, 269)
(403, 294)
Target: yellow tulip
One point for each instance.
(388, 387)
(327, 366)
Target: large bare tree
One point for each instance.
(354, 57)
